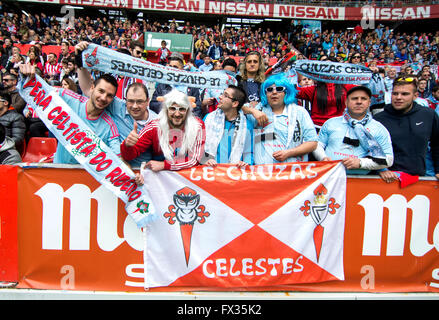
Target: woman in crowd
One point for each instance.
(251, 76)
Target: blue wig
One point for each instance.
(279, 79)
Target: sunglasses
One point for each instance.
(356, 57)
(405, 79)
(180, 109)
(278, 89)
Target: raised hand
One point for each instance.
(27, 70)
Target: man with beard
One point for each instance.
(413, 129)
(91, 110)
(176, 134)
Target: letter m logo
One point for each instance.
(398, 208)
(53, 198)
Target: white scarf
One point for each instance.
(292, 115)
(215, 122)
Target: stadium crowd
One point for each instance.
(410, 58)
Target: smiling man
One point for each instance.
(360, 142)
(176, 134)
(134, 112)
(412, 128)
(229, 131)
(92, 110)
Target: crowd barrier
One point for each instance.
(391, 235)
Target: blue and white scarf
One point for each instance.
(334, 72)
(87, 148)
(110, 61)
(215, 122)
(357, 135)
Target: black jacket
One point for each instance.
(411, 132)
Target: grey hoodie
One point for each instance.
(8, 153)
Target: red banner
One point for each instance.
(73, 234)
(267, 10)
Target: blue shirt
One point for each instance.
(334, 130)
(125, 124)
(104, 126)
(266, 143)
(225, 146)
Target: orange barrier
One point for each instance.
(391, 239)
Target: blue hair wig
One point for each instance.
(279, 79)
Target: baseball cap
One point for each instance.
(356, 88)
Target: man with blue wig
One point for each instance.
(289, 134)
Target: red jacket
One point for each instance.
(310, 94)
(149, 138)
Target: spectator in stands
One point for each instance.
(163, 53)
(201, 42)
(412, 127)
(7, 46)
(229, 132)
(136, 49)
(251, 76)
(71, 71)
(9, 82)
(207, 65)
(52, 69)
(422, 88)
(282, 139)
(135, 116)
(427, 75)
(215, 51)
(176, 135)
(34, 60)
(210, 97)
(8, 152)
(360, 142)
(92, 111)
(15, 60)
(67, 83)
(303, 82)
(327, 100)
(12, 121)
(434, 98)
(161, 89)
(65, 51)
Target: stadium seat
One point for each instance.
(40, 149)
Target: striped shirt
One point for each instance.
(52, 69)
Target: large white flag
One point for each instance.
(260, 226)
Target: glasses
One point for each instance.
(405, 79)
(173, 109)
(225, 95)
(278, 89)
(138, 102)
(3, 100)
(8, 79)
(356, 57)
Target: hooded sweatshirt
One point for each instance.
(410, 133)
(8, 153)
